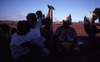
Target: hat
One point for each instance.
(67, 18)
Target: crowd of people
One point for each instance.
(30, 40)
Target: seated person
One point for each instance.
(66, 36)
(21, 44)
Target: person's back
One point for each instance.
(18, 38)
(65, 33)
(66, 36)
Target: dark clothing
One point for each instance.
(66, 38)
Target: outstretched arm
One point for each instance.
(49, 11)
(49, 14)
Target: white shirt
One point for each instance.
(35, 35)
(15, 45)
(17, 50)
(35, 32)
(90, 17)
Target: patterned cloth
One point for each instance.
(66, 38)
(65, 34)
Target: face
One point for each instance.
(31, 18)
(39, 14)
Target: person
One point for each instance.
(17, 39)
(4, 42)
(21, 45)
(6, 29)
(46, 28)
(90, 26)
(65, 36)
(40, 15)
(4, 52)
(35, 32)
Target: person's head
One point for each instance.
(31, 18)
(97, 11)
(39, 13)
(23, 27)
(67, 20)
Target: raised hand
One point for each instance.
(51, 7)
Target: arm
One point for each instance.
(48, 20)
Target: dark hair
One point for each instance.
(23, 27)
(31, 16)
(39, 12)
(97, 11)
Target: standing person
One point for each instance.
(35, 33)
(47, 28)
(46, 21)
(66, 36)
(90, 25)
(40, 15)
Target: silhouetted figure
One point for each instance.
(4, 43)
(19, 52)
(6, 29)
(3, 46)
(35, 33)
(47, 29)
(90, 25)
(40, 15)
(66, 36)
(13, 30)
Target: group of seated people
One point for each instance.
(27, 43)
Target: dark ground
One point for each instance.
(90, 53)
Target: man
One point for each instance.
(90, 25)
(66, 36)
(35, 33)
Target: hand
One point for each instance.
(51, 7)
